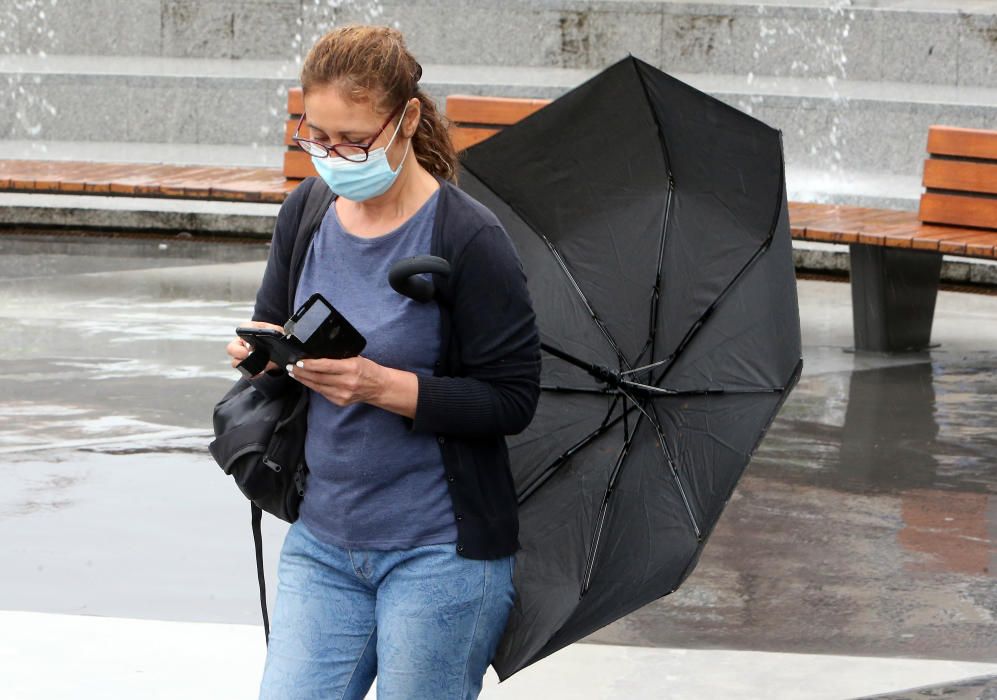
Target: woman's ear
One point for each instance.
(412, 117)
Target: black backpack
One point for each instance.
(260, 440)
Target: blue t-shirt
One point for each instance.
(372, 484)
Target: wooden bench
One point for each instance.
(145, 180)
(895, 256)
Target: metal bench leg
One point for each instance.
(893, 297)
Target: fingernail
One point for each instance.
(300, 363)
(289, 369)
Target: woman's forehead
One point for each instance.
(328, 109)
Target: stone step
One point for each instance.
(833, 126)
(916, 41)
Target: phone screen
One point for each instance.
(310, 321)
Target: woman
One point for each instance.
(401, 562)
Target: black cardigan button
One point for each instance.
(441, 439)
(460, 548)
(451, 478)
(460, 517)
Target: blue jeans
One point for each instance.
(426, 621)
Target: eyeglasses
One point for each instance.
(356, 152)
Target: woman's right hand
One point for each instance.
(239, 349)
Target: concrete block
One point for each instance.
(857, 134)
(926, 51)
(11, 26)
(159, 110)
(802, 128)
(81, 105)
(977, 64)
(590, 39)
(97, 27)
(807, 42)
(570, 35)
(698, 42)
(266, 29)
(203, 28)
(234, 111)
(443, 31)
(892, 137)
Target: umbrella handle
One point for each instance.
(402, 277)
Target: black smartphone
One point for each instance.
(316, 329)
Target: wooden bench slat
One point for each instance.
(74, 178)
(289, 126)
(965, 245)
(146, 177)
(42, 176)
(830, 234)
(98, 180)
(248, 184)
(473, 109)
(960, 175)
(929, 237)
(295, 101)
(959, 141)
(189, 183)
(898, 235)
(298, 164)
(959, 210)
(465, 137)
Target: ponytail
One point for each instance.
(433, 147)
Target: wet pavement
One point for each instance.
(865, 525)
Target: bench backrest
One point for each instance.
(473, 118)
(960, 177)
(297, 163)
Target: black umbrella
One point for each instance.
(653, 226)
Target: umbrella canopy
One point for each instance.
(653, 227)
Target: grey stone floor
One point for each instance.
(865, 525)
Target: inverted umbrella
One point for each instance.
(653, 227)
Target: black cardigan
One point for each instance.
(487, 384)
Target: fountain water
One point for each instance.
(24, 26)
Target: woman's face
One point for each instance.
(331, 118)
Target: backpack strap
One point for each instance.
(258, 541)
(316, 205)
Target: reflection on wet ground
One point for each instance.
(865, 524)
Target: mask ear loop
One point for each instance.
(397, 131)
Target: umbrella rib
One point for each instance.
(662, 391)
(670, 462)
(653, 325)
(751, 261)
(562, 265)
(691, 333)
(604, 508)
(559, 461)
(581, 294)
(576, 389)
(600, 373)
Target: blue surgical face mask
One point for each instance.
(360, 181)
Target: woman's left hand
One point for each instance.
(343, 382)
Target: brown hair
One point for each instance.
(373, 63)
